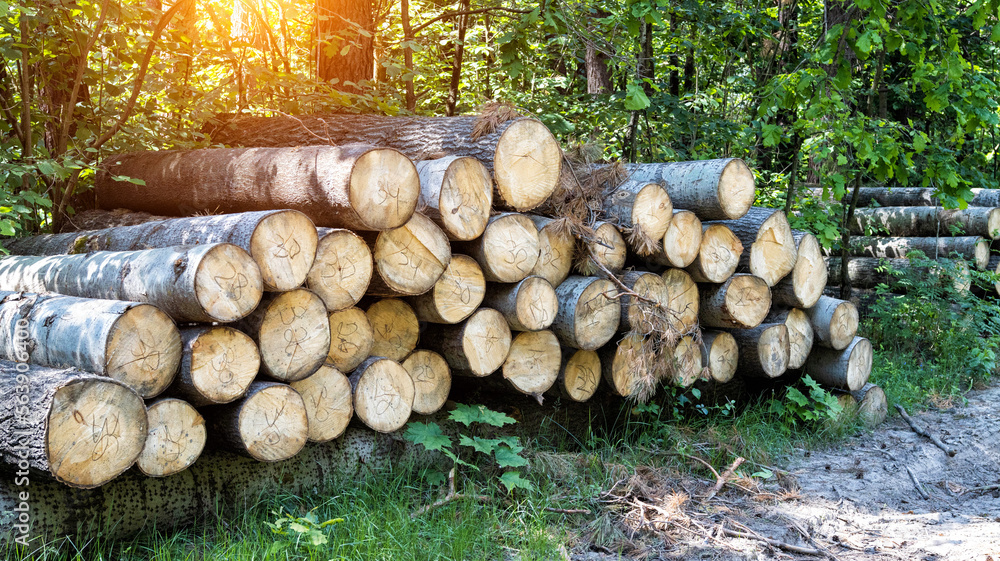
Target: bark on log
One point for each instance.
(763, 350)
(720, 353)
(834, 322)
(718, 255)
(383, 394)
(994, 266)
(927, 221)
(353, 186)
(971, 248)
(456, 192)
(556, 249)
(268, 424)
(396, 328)
(741, 302)
(803, 287)
(351, 339)
(454, 297)
(589, 312)
(529, 305)
(476, 347)
(82, 429)
(328, 401)
(800, 334)
(533, 363)
(651, 309)
(342, 270)
(508, 249)
(136, 344)
(868, 272)
(409, 259)
(772, 247)
(521, 153)
(579, 374)
(918, 196)
(682, 301)
(292, 332)
(174, 440)
(681, 242)
(644, 209)
(281, 242)
(713, 189)
(873, 407)
(846, 369)
(431, 380)
(206, 283)
(218, 365)
(608, 248)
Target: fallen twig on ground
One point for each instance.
(774, 543)
(720, 480)
(451, 496)
(916, 483)
(924, 433)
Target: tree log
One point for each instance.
(834, 322)
(218, 364)
(873, 407)
(589, 312)
(718, 255)
(720, 353)
(772, 247)
(556, 249)
(918, 196)
(846, 369)
(136, 344)
(476, 347)
(174, 440)
(521, 153)
(292, 331)
(342, 270)
(533, 363)
(268, 424)
(713, 189)
(741, 302)
(329, 403)
(454, 297)
(207, 283)
(868, 272)
(383, 394)
(82, 429)
(971, 248)
(763, 350)
(353, 186)
(681, 242)
(621, 366)
(800, 334)
(688, 363)
(644, 209)
(396, 328)
(456, 192)
(994, 266)
(508, 249)
(579, 374)
(682, 301)
(431, 380)
(408, 259)
(351, 339)
(281, 242)
(927, 221)
(529, 305)
(608, 247)
(805, 285)
(652, 307)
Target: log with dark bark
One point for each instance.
(772, 247)
(868, 272)
(681, 242)
(620, 365)
(408, 259)
(805, 284)
(720, 353)
(206, 283)
(608, 248)
(136, 344)
(927, 221)
(476, 347)
(455, 295)
(972, 248)
(456, 192)
(589, 312)
(521, 153)
(83, 430)
(642, 208)
(395, 326)
(579, 375)
(383, 394)
(713, 189)
(682, 300)
(508, 249)
(431, 380)
(834, 322)
(917, 196)
(281, 242)
(718, 255)
(800, 334)
(329, 402)
(218, 364)
(763, 350)
(292, 331)
(556, 249)
(533, 363)
(741, 302)
(342, 270)
(353, 186)
(994, 267)
(529, 305)
(846, 369)
(351, 338)
(268, 424)
(174, 440)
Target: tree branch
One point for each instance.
(70, 107)
(447, 15)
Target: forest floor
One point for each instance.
(855, 500)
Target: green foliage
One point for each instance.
(299, 531)
(817, 404)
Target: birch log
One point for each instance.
(608, 248)
(218, 364)
(643, 208)
(650, 306)
(529, 305)
(763, 350)
(589, 312)
(408, 259)
(174, 440)
(972, 248)
(927, 221)
(556, 249)
(720, 353)
(772, 247)
(532, 365)
(383, 394)
(834, 322)
(713, 189)
(869, 272)
(800, 334)
(342, 270)
(873, 407)
(328, 401)
(688, 363)
(455, 295)
(682, 301)
(292, 331)
(456, 192)
(681, 242)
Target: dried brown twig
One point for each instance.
(451, 496)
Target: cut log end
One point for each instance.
(772, 255)
(411, 258)
(981, 259)
(843, 325)
(486, 341)
(431, 380)
(620, 368)
(556, 250)
(273, 424)
(384, 189)
(581, 374)
(800, 337)
(509, 248)
(228, 283)
(294, 335)
(342, 269)
(175, 438)
(224, 362)
(597, 314)
(747, 301)
(455, 296)
(846, 370)
(810, 274)
(682, 300)
(383, 394)
(652, 212)
(687, 362)
(682, 240)
(284, 246)
(532, 365)
(736, 189)
(328, 401)
(143, 350)
(351, 339)
(773, 350)
(465, 199)
(395, 327)
(536, 304)
(608, 249)
(872, 405)
(993, 223)
(526, 164)
(642, 313)
(718, 255)
(721, 354)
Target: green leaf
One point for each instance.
(508, 458)
(6, 228)
(797, 397)
(995, 35)
(513, 479)
(482, 445)
(298, 527)
(429, 435)
(764, 473)
(468, 414)
(317, 538)
(770, 135)
(635, 99)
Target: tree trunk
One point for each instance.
(218, 364)
(834, 322)
(456, 67)
(455, 296)
(608, 248)
(521, 153)
(268, 424)
(345, 52)
(431, 380)
(651, 309)
(805, 285)
(763, 351)
(292, 331)
(175, 438)
(529, 305)
(356, 186)
(917, 196)
(342, 270)
(579, 375)
(82, 429)
(533, 363)
(718, 255)
(281, 242)
(741, 302)
(772, 247)
(136, 344)
(556, 249)
(589, 312)
(846, 369)
(508, 249)
(720, 353)
(712, 189)
(329, 403)
(681, 242)
(207, 283)
(868, 272)
(456, 192)
(351, 339)
(682, 301)
(643, 208)
(476, 347)
(396, 328)
(383, 394)
(800, 334)
(927, 221)
(972, 248)
(408, 259)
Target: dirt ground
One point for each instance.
(857, 501)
